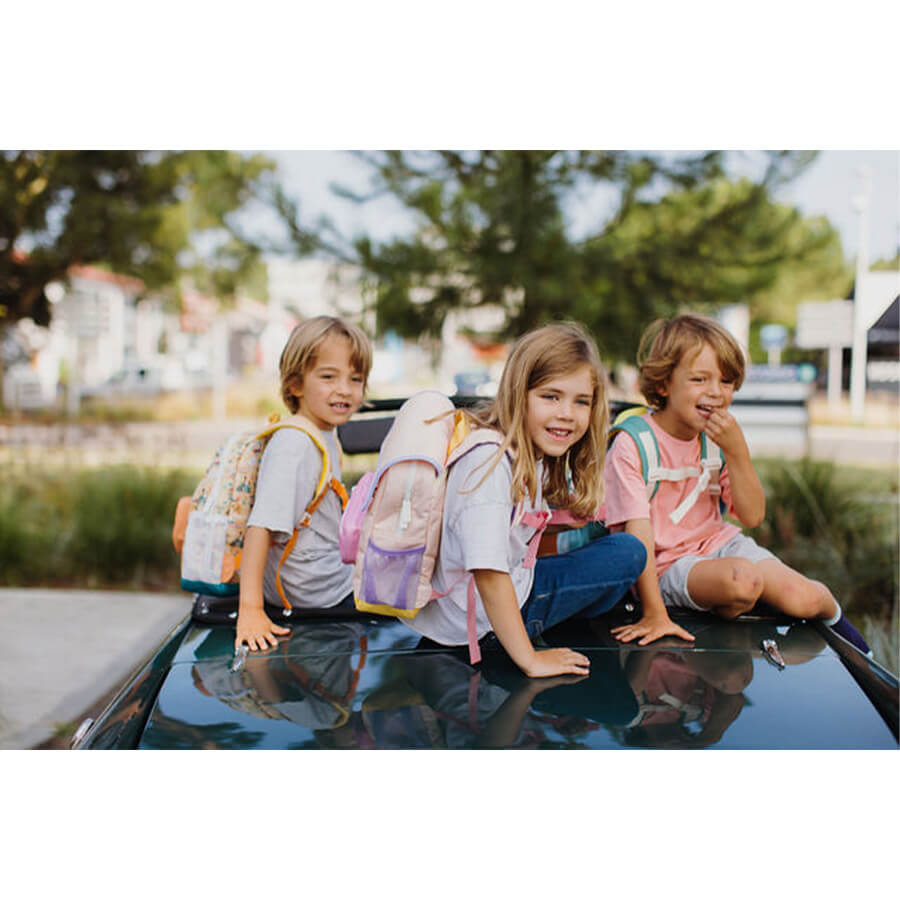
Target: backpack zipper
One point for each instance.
(406, 505)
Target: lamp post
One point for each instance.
(859, 352)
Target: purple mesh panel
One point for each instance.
(390, 576)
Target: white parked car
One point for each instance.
(142, 378)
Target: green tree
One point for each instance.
(154, 215)
(887, 264)
(820, 274)
(491, 229)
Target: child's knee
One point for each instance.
(742, 588)
(807, 599)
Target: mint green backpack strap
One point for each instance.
(634, 423)
(711, 455)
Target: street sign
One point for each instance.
(824, 324)
(773, 337)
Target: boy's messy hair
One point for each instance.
(539, 356)
(665, 343)
(300, 351)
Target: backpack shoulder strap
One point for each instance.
(465, 438)
(301, 423)
(712, 460)
(326, 481)
(634, 423)
(710, 452)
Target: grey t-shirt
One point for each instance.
(476, 534)
(313, 575)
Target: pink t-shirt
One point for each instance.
(700, 532)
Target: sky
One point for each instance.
(827, 188)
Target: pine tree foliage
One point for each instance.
(493, 228)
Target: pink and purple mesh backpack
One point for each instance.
(391, 528)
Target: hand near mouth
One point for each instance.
(723, 428)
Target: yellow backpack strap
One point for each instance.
(326, 481)
(627, 414)
(309, 429)
(461, 430)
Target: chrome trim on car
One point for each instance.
(81, 732)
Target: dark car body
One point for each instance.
(370, 682)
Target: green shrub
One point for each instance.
(24, 543)
(838, 526)
(90, 527)
(122, 524)
(884, 639)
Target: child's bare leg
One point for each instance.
(731, 586)
(728, 586)
(795, 594)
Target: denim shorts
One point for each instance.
(673, 582)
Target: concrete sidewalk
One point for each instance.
(61, 651)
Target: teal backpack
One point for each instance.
(634, 422)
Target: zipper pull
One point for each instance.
(406, 504)
(405, 514)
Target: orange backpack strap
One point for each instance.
(287, 552)
(322, 489)
(341, 491)
(179, 528)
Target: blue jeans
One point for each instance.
(584, 583)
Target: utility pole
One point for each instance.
(860, 323)
(219, 333)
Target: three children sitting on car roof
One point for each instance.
(550, 413)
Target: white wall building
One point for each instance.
(315, 287)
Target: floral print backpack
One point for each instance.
(210, 525)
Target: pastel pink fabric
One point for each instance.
(352, 519)
(538, 520)
(700, 532)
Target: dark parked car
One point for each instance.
(368, 682)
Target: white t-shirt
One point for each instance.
(313, 575)
(476, 534)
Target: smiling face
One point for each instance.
(695, 388)
(332, 387)
(559, 411)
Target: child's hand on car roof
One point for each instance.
(257, 630)
(558, 661)
(650, 628)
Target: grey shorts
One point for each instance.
(673, 582)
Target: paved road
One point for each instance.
(61, 651)
(771, 432)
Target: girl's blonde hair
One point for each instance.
(666, 342)
(302, 347)
(538, 357)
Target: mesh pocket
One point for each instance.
(204, 548)
(390, 577)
